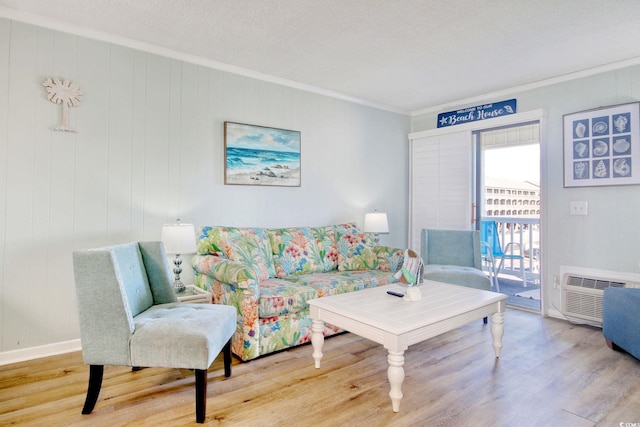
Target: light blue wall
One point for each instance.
(149, 149)
(608, 237)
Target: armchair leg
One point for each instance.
(95, 383)
(201, 395)
(201, 383)
(227, 358)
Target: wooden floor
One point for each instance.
(551, 373)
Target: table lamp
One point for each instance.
(374, 223)
(178, 239)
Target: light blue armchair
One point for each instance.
(453, 256)
(129, 316)
(620, 320)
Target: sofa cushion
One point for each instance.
(326, 241)
(251, 249)
(248, 245)
(356, 252)
(215, 240)
(347, 228)
(389, 258)
(279, 296)
(338, 282)
(295, 251)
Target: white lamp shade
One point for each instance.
(376, 222)
(179, 238)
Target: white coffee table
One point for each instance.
(396, 323)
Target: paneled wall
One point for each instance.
(149, 149)
(608, 238)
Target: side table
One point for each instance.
(194, 294)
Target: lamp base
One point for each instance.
(178, 286)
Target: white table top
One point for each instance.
(374, 307)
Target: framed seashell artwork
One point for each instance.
(602, 146)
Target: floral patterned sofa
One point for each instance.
(269, 275)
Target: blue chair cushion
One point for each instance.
(203, 329)
(129, 268)
(464, 276)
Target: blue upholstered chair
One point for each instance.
(453, 256)
(129, 316)
(620, 319)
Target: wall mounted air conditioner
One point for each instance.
(582, 290)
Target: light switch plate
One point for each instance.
(579, 207)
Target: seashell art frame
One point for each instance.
(602, 146)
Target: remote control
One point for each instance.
(395, 294)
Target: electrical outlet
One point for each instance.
(578, 208)
(556, 282)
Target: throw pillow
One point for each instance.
(250, 246)
(249, 249)
(326, 240)
(356, 252)
(295, 252)
(347, 228)
(215, 240)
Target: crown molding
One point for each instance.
(529, 86)
(91, 33)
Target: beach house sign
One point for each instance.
(480, 112)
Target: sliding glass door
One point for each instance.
(447, 182)
(508, 192)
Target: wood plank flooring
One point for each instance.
(551, 373)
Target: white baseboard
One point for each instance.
(30, 353)
(552, 312)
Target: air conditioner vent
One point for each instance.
(586, 282)
(583, 290)
(584, 306)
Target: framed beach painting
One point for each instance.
(602, 146)
(258, 155)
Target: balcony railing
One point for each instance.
(525, 234)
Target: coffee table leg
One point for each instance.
(395, 373)
(317, 340)
(497, 331)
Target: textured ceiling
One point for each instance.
(405, 55)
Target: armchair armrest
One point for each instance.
(389, 258)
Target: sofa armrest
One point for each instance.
(389, 258)
(225, 270)
(233, 283)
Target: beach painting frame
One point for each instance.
(259, 155)
(602, 146)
